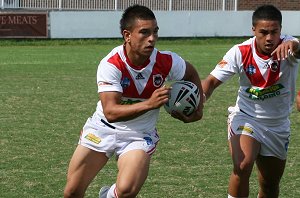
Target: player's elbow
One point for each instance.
(111, 118)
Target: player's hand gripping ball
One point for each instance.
(184, 97)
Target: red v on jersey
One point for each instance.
(158, 72)
(254, 71)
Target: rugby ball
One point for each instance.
(184, 97)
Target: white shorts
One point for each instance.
(273, 136)
(101, 137)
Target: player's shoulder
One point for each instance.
(168, 54)
(165, 52)
(114, 56)
(247, 42)
(163, 55)
(117, 50)
(243, 47)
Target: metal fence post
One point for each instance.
(2, 4)
(170, 5)
(235, 5)
(59, 4)
(116, 5)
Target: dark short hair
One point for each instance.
(266, 12)
(135, 12)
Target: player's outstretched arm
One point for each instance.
(209, 84)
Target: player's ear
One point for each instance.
(253, 30)
(126, 35)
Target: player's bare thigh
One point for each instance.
(243, 148)
(133, 170)
(84, 165)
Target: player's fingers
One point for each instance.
(164, 90)
(276, 53)
(287, 48)
(179, 116)
(161, 92)
(281, 52)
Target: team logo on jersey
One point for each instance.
(250, 70)
(139, 76)
(157, 80)
(148, 140)
(273, 65)
(125, 82)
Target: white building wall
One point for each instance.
(105, 24)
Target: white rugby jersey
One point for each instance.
(267, 86)
(137, 83)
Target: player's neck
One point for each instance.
(134, 59)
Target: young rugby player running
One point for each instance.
(258, 125)
(130, 84)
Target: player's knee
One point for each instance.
(72, 193)
(243, 168)
(127, 191)
(270, 188)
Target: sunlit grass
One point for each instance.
(48, 90)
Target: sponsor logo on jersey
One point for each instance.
(222, 63)
(91, 137)
(262, 94)
(125, 82)
(130, 102)
(250, 69)
(103, 83)
(139, 76)
(246, 129)
(157, 80)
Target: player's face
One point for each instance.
(140, 41)
(267, 36)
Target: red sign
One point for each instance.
(23, 25)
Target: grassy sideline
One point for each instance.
(48, 91)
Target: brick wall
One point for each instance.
(281, 4)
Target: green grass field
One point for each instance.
(48, 90)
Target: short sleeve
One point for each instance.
(108, 78)
(178, 68)
(228, 66)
